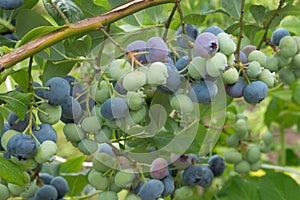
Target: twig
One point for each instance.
(241, 31)
(81, 27)
(167, 24)
(281, 2)
(280, 168)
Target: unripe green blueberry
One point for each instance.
(216, 64)
(197, 68)
(267, 137)
(4, 192)
(15, 189)
(258, 56)
(296, 73)
(102, 162)
(253, 69)
(226, 43)
(157, 74)
(231, 59)
(87, 146)
(241, 128)
(135, 100)
(73, 132)
(288, 47)
(297, 40)
(183, 193)
(49, 114)
(108, 195)
(46, 151)
(267, 77)
(295, 63)
(104, 135)
(30, 190)
(286, 75)
(253, 153)
(98, 180)
(182, 103)
(230, 76)
(124, 179)
(233, 156)
(134, 80)
(26, 165)
(133, 197)
(283, 61)
(242, 167)
(91, 124)
(233, 140)
(138, 116)
(256, 166)
(119, 68)
(272, 63)
(264, 148)
(102, 92)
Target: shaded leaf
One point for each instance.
(115, 3)
(11, 172)
(273, 110)
(278, 186)
(54, 52)
(285, 94)
(76, 184)
(21, 78)
(233, 7)
(296, 92)
(258, 12)
(56, 70)
(79, 47)
(18, 102)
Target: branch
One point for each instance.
(281, 3)
(83, 26)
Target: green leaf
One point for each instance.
(92, 8)
(115, 3)
(273, 110)
(284, 95)
(56, 70)
(1, 123)
(29, 4)
(33, 20)
(258, 12)
(72, 165)
(161, 99)
(296, 92)
(278, 186)
(79, 47)
(233, 7)
(21, 78)
(11, 172)
(241, 188)
(38, 32)
(76, 184)
(55, 52)
(195, 19)
(292, 158)
(285, 11)
(291, 24)
(17, 101)
(70, 10)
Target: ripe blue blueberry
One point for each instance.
(214, 30)
(192, 33)
(22, 146)
(46, 192)
(16, 123)
(152, 190)
(59, 91)
(206, 45)
(255, 92)
(138, 46)
(173, 80)
(197, 175)
(11, 4)
(217, 165)
(181, 65)
(157, 50)
(236, 90)
(278, 34)
(203, 92)
(61, 185)
(169, 186)
(71, 108)
(45, 132)
(114, 108)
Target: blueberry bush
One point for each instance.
(149, 99)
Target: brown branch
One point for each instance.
(264, 38)
(83, 26)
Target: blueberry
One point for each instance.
(61, 185)
(59, 91)
(192, 33)
(11, 4)
(173, 80)
(217, 165)
(40, 92)
(45, 132)
(169, 186)
(203, 92)
(197, 175)
(278, 34)
(236, 90)
(11, 37)
(214, 30)
(206, 45)
(75, 87)
(181, 65)
(46, 178)
(71, 109)
(46, 192)
(255, 92)
(16, 123)
(138, 46)
(114, 108)
(22, 146)
(6, 127)
(152, 190)
(157, 50)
